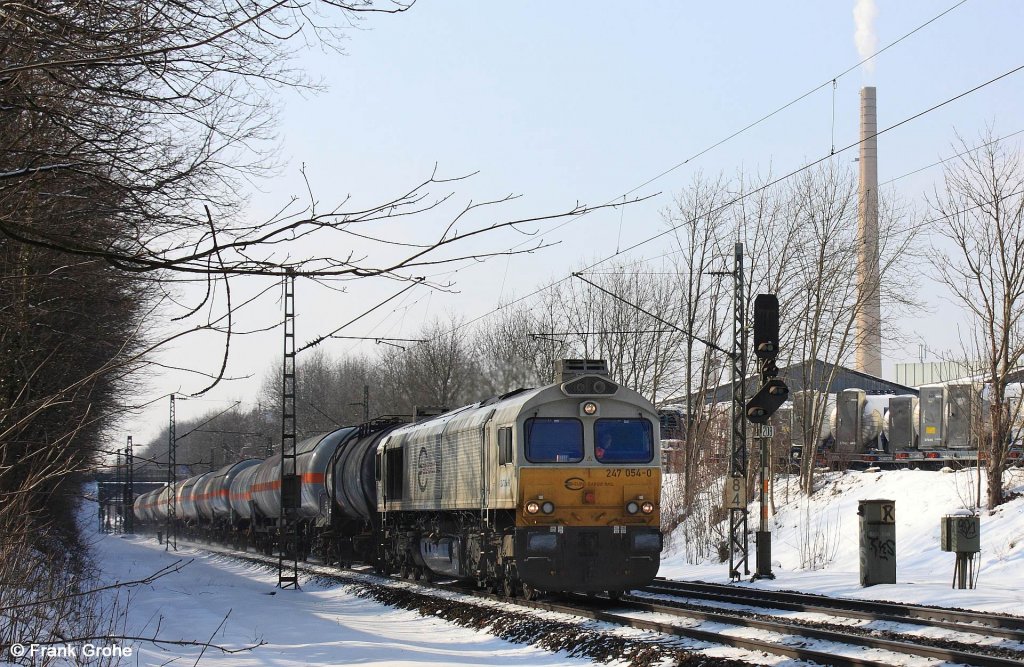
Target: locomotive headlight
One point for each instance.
(589, 409)
(647, 507)
(532, 507)
(548, 507)
(632, 507)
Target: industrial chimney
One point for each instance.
(869, 318)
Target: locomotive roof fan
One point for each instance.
(567, 369)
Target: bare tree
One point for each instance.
(442, 371)
(130, 129)
(980, 216)
(799, 244)
(626, 315)
(700, 224)
(803, 248)
(514, 347)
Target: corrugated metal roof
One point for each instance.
(818, 375)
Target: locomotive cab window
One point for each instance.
(623, 441)
(504, 445)
(554, 440)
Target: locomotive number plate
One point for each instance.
(629, 472)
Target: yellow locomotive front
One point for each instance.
(549, 489)
(589, 487)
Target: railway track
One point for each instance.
(895, 643)
(996, 625)
(660, 609)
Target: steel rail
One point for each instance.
(1010, 627)
(896, 646)
(585, 609)
(824, 607)
(716, 638)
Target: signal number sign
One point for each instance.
(735, 493)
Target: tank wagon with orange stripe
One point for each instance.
(160, 503)
(186, 491)
(145, 506)
(313, 456)
(213, 501)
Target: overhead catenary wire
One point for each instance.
(652, 315)
(818, 161)
(951, 157)
(830, 81)
(234, 405)
(743, 196)
(911, 228)
(603, 332)
(381, 339)
(320, 339)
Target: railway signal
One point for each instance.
(773, 392)
(769, 398)
(766, 327)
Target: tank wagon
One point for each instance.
(144, 507)
(943, 425)
(552, 489)
(187, 494)
(313, 455)
(213, 499)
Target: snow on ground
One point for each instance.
(825, 531)
(328, 624)
(324, 624)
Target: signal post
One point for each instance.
(772, 394)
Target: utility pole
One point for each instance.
(116, 499)
(291, 489)
(738, 546)
(171, 530)
(736, 484)
(128, 499)
(736, 492)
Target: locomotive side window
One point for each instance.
(504, 445)
(623, 440)
(393, 469)
(554, 440)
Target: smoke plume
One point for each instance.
(864, 13)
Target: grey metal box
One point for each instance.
(961, 533)
(877, 541)
(901, 422)
(932, 426)
(849, 409)
(960, 408)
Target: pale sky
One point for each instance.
(584, 101)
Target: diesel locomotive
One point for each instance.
(551, 489)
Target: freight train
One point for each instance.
(552, 489)
(942, 425)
